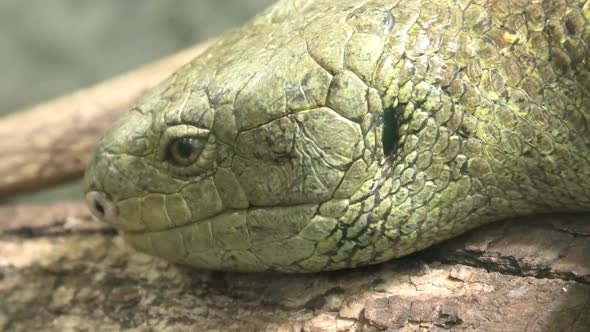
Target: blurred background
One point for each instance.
(51, 48)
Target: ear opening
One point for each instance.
(391, 126)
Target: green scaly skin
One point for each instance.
(331, 134)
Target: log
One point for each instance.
(62, 270)
(53, 142)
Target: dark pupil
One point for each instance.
(184, 147)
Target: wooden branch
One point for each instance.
(60, 269)
(54, 141)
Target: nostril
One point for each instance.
(99, 209)
(100, 206)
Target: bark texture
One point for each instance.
(62, 271)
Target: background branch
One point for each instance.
(53, 142)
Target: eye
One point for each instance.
(185, 150)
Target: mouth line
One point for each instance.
(199, 221)
(170, 228)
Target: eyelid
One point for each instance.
(186, 131)
(180, 131)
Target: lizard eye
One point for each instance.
(185, 150)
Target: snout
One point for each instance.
(99, 202)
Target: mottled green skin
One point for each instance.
(488, 109)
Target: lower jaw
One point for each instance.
(228, 241)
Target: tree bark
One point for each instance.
(62, 270)
(53, 142)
